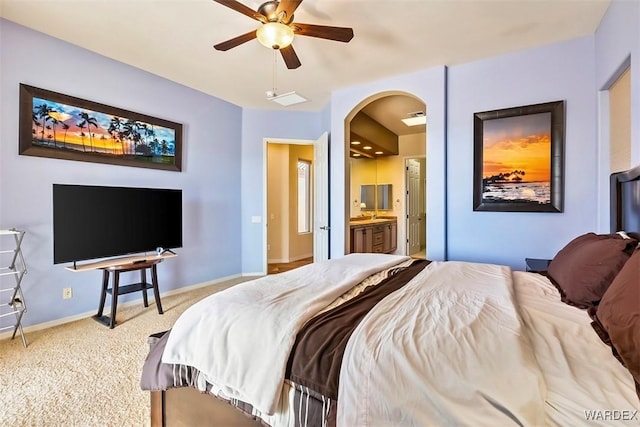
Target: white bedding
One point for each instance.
(582, 378)
(447, 349)
(462, 344)
(240, 338)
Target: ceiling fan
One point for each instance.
(277, 29)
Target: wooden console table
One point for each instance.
(123, 265)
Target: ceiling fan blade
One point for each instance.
(236, 41)
(239, 7)
(340, 34)
(286, 8)
(290, 57)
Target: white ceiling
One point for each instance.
(174, 39)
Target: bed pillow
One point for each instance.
(586, 266)
(619, 314)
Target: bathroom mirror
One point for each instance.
(384, 199)
(367, 197)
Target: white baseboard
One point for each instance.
(254, 274)
(107, 308)
(299, 257)
(287, 260)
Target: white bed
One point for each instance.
(460, 344)
(581, 376)
(477, 344)
(456, 343)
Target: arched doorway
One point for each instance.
(376, 122)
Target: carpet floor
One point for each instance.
(84, 374)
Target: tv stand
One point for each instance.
(116, 266)
(117, 290)
(117, 261)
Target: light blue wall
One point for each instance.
(617, 43)
(210, 179)
(256, 126)
(428, 85)
(562, 71)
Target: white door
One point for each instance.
(321, 198)
(413, 206)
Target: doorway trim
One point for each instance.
(347, 165)
(265, 198)
(423, 204)
(604, 144)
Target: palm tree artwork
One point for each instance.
(65, 127)
(81, 126)
(71, 128)
(42, 112)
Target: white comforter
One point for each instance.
(585, 384)
(240, 338)
(462, 344)
(447, 349)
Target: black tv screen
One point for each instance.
(98, 222)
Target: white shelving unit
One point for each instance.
(12, 266)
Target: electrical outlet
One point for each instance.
(66, 293)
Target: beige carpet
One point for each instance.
(83, 373)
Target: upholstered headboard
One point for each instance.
(625, 201)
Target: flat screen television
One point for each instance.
(92, 222)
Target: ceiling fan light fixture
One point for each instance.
(274, 35)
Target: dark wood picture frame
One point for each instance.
(524, 149)
(60, 126)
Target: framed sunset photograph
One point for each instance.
(65, 127)
(518, 159)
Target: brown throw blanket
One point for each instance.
(316, 356)
(314, 407)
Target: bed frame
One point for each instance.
(188, 407)
(625, 201)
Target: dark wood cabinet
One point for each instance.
(390, 237)
(378, 239)
(361, 239)
(374, 237)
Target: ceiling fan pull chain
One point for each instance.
(275, 71)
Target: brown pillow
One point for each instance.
(619, 314)
(586, 266)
